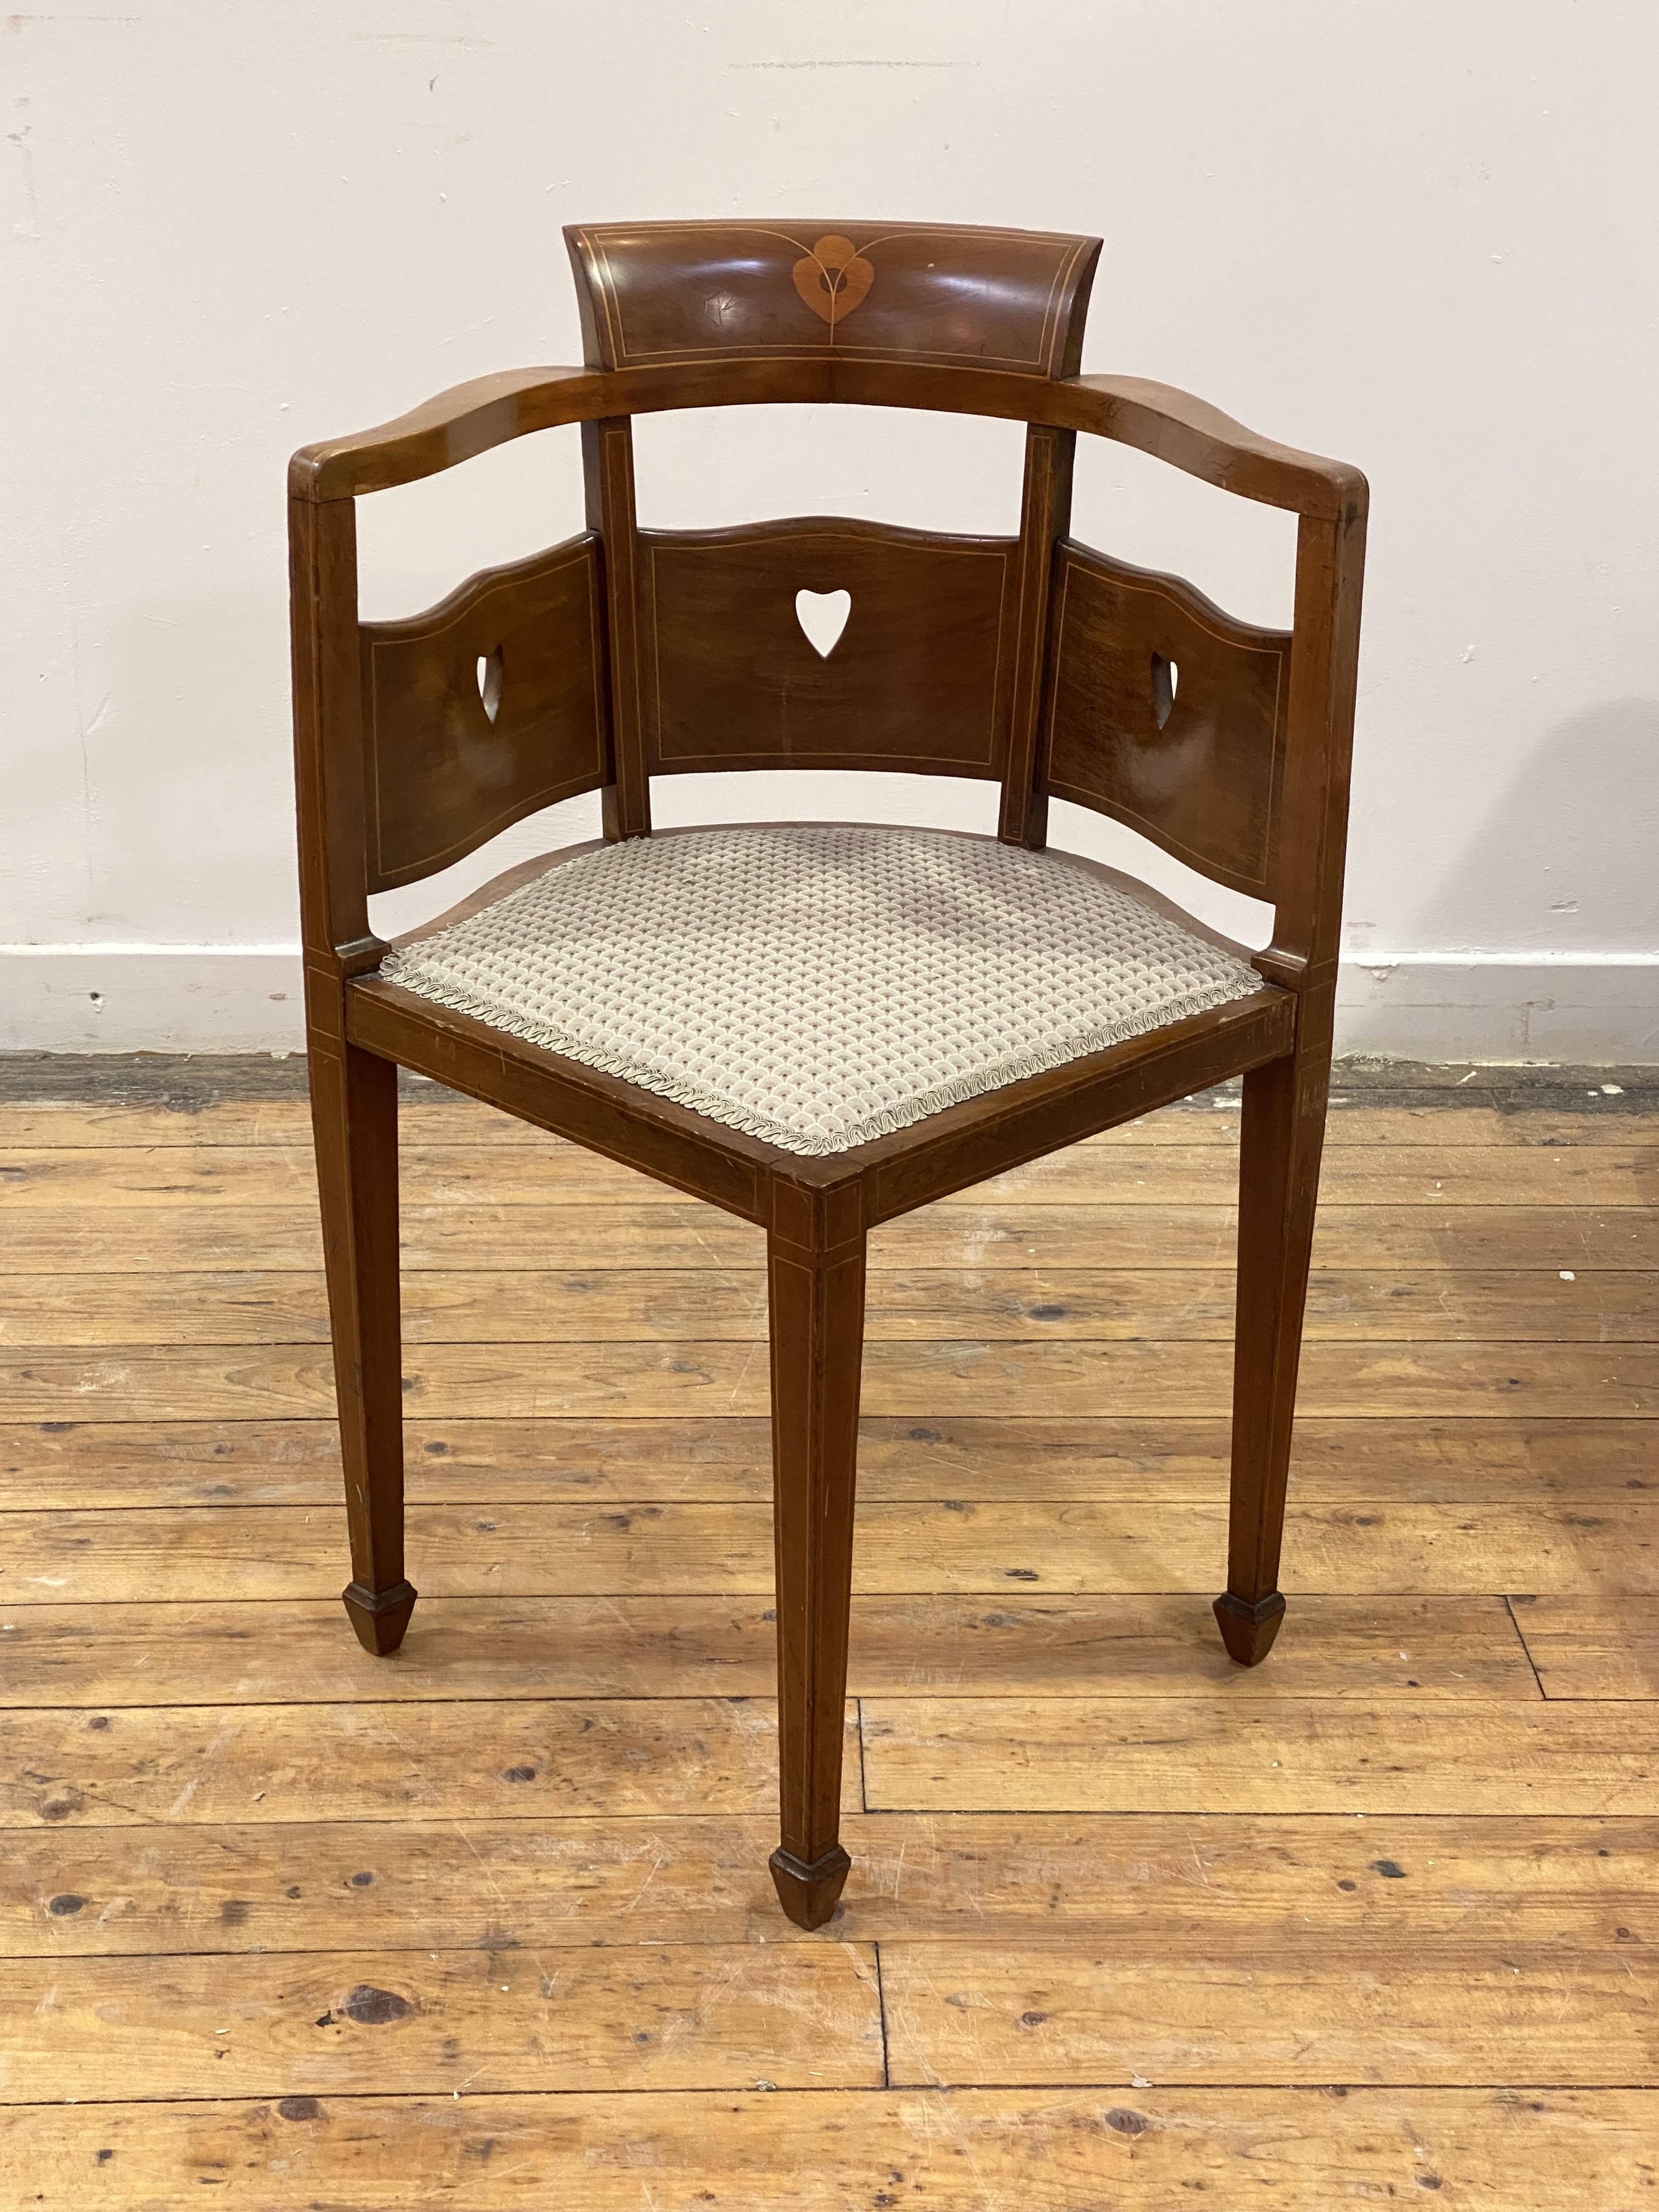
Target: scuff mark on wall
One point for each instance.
(29, 227)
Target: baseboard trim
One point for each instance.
(1496, 1007)
(1600, 1010)
(151, 998)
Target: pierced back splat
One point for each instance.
(820, 642)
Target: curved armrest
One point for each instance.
(1172, 425)
(464, 420)
(472, 418)
(1191, 435)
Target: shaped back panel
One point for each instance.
(1167, 715)
(455, 751)
(654, 294)
(919, 677)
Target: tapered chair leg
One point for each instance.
(1284, 1128)
(354, 1107)
(816, 1294)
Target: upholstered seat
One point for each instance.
(819, 985)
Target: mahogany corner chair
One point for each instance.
(820, 1029)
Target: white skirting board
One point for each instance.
(151, 998)
(1501, 1008)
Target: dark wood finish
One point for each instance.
(329, 769)
(608, 476)
(353, 1096)
(1154, 418)
(1242, 767)
(815, 1251)
(612, 1117)
(1283, 1125)
(1045, 518)
(1330, 562)
(655, 294)
(1285, 1103)
(920, 678)
(354, 1107)
(952, 1149)
(445, 772)
(1191, 435)
(1168, 715)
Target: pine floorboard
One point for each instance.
(488, 1925)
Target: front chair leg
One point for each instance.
(1284, 1128)
(816, 1294)
(354, 1105)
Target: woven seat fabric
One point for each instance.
(818, 985)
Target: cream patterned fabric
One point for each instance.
(818, 985)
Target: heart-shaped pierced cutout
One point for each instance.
(823, 616)
(489, 682)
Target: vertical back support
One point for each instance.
(608, 478)
(1045, 519)
(328, 739)
(1330, 561)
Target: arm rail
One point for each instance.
(1156, 418)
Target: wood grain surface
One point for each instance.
(1368, 1918)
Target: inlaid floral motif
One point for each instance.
(833, 278)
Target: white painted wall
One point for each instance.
(1415, 233)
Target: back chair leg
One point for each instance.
(353, 1107)
(1284, 1128)
(816, 1293)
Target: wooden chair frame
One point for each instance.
(1268, 813)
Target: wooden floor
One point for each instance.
(488, 1926)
